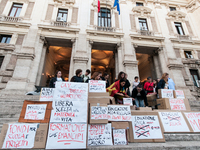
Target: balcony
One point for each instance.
(60, 24)
(107, 29)
(184, 37)
(65, 1)
(10, 19)
(146, 32)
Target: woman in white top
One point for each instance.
(57, 78)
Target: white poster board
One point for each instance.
(97, 86)
(177, 104)
(46, 94)
(99, 112)
(71, 91)
(119, 136)
(99, 134)
(69, 111)
(35, 111)
(179, 94)
(173, 122)
(194, 120)
(165, 93)
(66, 136)
(119, 113)
(146, 127)
(20, 135)
(128, 101)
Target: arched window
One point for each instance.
(104, 17)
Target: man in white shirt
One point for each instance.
(135, 83)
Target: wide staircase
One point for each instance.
(10, 109)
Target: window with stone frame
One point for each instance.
(5, 38)
(104, 18)
(179, 28)
(1, 60)
(62, 15)
(188, 54)
(143, 24)
(15, 10)
(195, 77)
(139, 4)
(172, 8)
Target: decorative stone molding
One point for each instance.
(175, 66)
(60, 24)
(25, 56)
(130, 63)
(7, 47)
(64, 2)
(10, 19)
(80, 59)
(142, 10)
(107, 29)
(107, 3)
(178, 15)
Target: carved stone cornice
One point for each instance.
(130, 63)
(107, 3)
(142, 10)
(177, 15)
(64, 2)
(175, 66)
(7, 47)
(80, 59)
(25, 56)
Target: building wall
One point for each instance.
(24, 56)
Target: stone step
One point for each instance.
(8, 120)
(10, 115)
(182, 137)
(195, 108)
(14, 108)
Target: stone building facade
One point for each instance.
(148, 38)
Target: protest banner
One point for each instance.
(35, 112)
(165, 93)
(193, 119)
(179, 94)
(119, 137)
(20, 135)
(119, 113)
(97, 86)
(98, 113)
(128, 101)
(173, 122)
(177, 104)
(99, 135)
(66, 136)
(69, 111)
(71, 91)
(146, 127)
(46, 94)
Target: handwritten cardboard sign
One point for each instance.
(69, 111)
(99, 112)
(179, 94)
(177, 104)
(99, 134)
(146, 127)
(119, 137)
(194, 120)
(66, 136)
(128, 101)
(71, 91)
(35, 111)
(119, 113)
(20, 135)
(46, 94)
(165, 93)
(97, 86)
(173, 122)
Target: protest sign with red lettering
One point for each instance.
(66, 136)
(119, 113)
(20, 135)
(69, 111)
(146, 127)
(173, 122)
(71, 91)
(194, 120)
(46, 94)
(179, 94)
(35, 111)
(165, 93)
(119, 137)
(97, 86)
(128, 101)
(99, 134)
(99, 112)
(177, 104)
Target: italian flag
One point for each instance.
(98, 5)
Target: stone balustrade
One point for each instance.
(60, 24)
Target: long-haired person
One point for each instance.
(77, 77)
(95, 76)
(127, 85)
(163, 84)
(58, 78)
(121, 75)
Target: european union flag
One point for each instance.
(116, 3)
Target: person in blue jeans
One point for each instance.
(140, 96)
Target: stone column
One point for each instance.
(157, 66)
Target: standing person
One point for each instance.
(95, 76)
(118, 91)
(86, 75)
(127, 85)
(155, 83)
(171, 84)
(136, 82)
(105, 78)
(121, 75)
(100, 74)
(163, 84)
(140, 96)
(57, 78)
(148, 86)
(77, 77)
